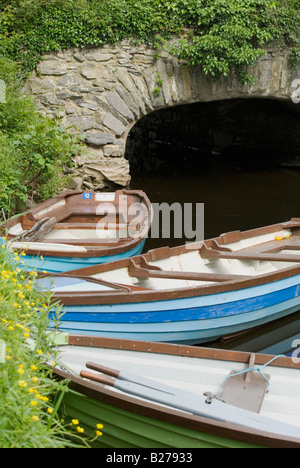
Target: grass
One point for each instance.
(29, 395)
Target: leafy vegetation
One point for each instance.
(220, 35)
(34, 150)
(30, 397)
(27, 391)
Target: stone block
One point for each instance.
(52, 68)
(41, 86)
(114, 124)
(89, 71)
(98, 56)
(92, 105)
(99, 139)
(69, 79)
(114, 151)
(80, 123)
(119, 105)
(115, 170)
(128, 98)
(79, 57)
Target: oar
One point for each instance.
(187, 401)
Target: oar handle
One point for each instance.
(103, 369)
(98, 378)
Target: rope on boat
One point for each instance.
(257, 369)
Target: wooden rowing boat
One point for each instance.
(81, 228)
(190, 294)
(161, 395)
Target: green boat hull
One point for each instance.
(125, 429)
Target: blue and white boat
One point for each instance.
(191, 294)
(81, 228)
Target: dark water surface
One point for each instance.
(238, 201)
(234, 200)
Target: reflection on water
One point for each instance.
(234, 201)
(279, 337)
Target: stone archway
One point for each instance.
(103, 92)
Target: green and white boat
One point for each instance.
(158, 395)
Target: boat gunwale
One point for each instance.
(149, 295)
(179, 418)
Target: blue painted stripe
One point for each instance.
(114, 313)
(205, 325)
(63, 264)
(197, 313)
(192, 332)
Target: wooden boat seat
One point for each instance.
(86, 242)
(118, 287)
(246, 390)
(142, 272)
(250, 254)
(112, 226)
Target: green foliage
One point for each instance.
(12, 188)
(220, 34)
(30, 396)
(231, 34)
(34, 150)
(27, 391)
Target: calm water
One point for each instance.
(234, 200)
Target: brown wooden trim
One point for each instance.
(178, 350)
(92, 298)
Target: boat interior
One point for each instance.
(209, 263)
(209, 376)
(106, 218)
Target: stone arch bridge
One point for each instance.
(103, 92)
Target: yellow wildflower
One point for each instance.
(22, 383)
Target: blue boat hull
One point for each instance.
(190, 320)
(64, 264)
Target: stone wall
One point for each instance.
(103, 92)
